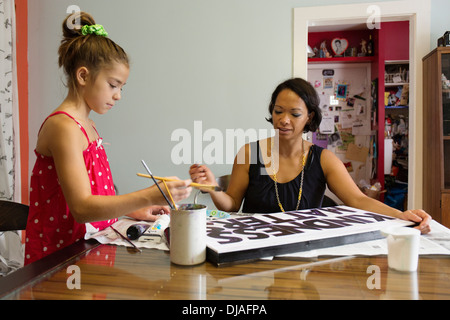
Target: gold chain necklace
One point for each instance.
(301, 180)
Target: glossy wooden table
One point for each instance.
(114, 272)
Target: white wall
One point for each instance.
(215, 61)
(212, 60)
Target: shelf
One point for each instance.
(342, 59)
(387, 62)
(396, 107)
(393, 84)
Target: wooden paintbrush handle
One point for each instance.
(193, 184)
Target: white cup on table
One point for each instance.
(403, 248)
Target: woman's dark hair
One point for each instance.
(307, 93)
(91, 51)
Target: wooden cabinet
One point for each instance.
(436, 143)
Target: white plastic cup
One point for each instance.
(403, 248)
(188, 234)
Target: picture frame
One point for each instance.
(339, 46)
(328, 82)
(341, 91)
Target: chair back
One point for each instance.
(222, 181)
(328, 202)
(13, 216)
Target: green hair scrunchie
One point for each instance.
(96, 29)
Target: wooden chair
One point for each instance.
(13, 216)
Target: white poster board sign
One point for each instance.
(246, 238)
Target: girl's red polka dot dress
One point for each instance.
(50, 225)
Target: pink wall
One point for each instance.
(395, 37)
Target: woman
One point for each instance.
(287, 172)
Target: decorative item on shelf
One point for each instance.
(323, 51)
(397, 96)
(339, 45)
(396, 74)
(445, 82)
(444, 41)
(392, 99)
(387, 127)
(404, 97)
(363, 52)
(370, 47)
(310, 52)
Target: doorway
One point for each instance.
(417, 13)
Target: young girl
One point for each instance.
(72, 191)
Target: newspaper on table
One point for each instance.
(435, 243)
(109, 236)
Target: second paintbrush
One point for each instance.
(193, 184)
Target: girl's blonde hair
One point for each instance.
(92, 51)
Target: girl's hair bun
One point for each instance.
(73, 23)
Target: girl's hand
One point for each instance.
(149, 213)
(179, 189)
(418, 216)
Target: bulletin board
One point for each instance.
(345, 100)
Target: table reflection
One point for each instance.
(110, 272)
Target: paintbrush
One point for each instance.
(170, 195)
(148, 170)
(193, 184)
(125, 238)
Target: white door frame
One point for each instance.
(418, 13)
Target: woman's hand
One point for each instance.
(149, 213)
(202, 174)
(418, 216)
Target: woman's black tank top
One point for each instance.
(260, 196)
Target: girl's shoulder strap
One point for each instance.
(65, 113)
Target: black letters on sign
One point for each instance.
(248, 228)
